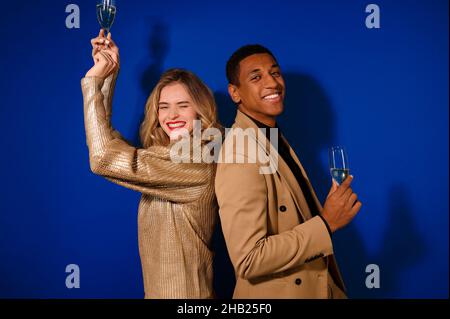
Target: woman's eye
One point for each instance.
(162, 107)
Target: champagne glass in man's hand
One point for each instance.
(341, 205)
(339, 167)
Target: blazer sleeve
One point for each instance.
(149, 171)
(242, 196)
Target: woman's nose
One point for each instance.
(173, 113)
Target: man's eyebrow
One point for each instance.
(258, 70)
(254, 71)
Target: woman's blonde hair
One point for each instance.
(151, 132)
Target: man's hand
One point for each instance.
(341, 205)
(106, 56)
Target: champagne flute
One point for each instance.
(106, 13)
(339, 167)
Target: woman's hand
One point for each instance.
(106, 56)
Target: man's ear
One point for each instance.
(234, 94)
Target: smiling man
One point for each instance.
(278, 235)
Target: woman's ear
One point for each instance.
(234, 93)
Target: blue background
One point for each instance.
(383, 93)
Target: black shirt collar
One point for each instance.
(262, 125)
(258, 123)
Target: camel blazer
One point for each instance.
(277, 248)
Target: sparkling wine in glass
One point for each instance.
(339, 167)
(106, 12)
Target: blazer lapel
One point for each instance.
(295, 190)
(283, 169)
(294, 156)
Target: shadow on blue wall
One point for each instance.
(401, 233)
(158, 46)
(393, 260)
(310, 126)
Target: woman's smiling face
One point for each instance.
(176, 110)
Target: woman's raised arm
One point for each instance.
(150, 171)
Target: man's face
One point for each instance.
(261, 89)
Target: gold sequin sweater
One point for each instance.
(177, 211)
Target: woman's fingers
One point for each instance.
(111, 44)
(96, 57)
(104, 66)
(98, 43)
(111, 65)
(100, 58)
(107, 56)
(96, 46)
(112, 54)
(102, 40)
(103, 58)
(108, 39)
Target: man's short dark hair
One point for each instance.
(240, 54)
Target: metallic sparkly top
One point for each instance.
(178, 208)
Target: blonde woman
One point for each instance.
(178, 209)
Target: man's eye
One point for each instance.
(256, 77)
(276, 73)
